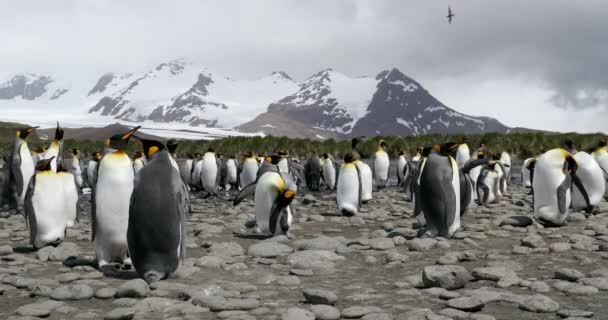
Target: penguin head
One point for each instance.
(274, 159)
(480, 154)
(401, 153)
(382, 144)
(58, 132)
(23, 133)
(44, 164)
(349, 158)
(211, 149)
(325, 156)
(602, 143)
(151, 147)
(569, 144)
(172, 145)
(96, 156)
(75, 151)
(120, 141)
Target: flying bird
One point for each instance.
(450, 15)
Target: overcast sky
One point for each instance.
(539, 64)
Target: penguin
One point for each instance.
(410, 173)
(348, 189)
(381, 166)
(525, 173)
(554, 173)
(505, 159)
(210, 172)
(197, 169)
(482, 149)
(274, 192)
(463, 154)
(171, 146)
(44, 207)
(55, 149)
(232, 173)
(440, 193)
(68, 183)
(490, 184)
(365, 171)
(37, 154)
(4, 185)
(312, 172)
(92, 169)
(283, 162)
(401, 168)
(223, 172)
(600, 155)
(156, 219)
(185, 168)
(110, 208)
(417, 155)
(75, 168)
(330, 174)
(139, 162)
(21, 169)
(588, 194)
(473, 169)
(249, 170)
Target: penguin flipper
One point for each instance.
(244, 193)
(181, 218)
(562, 191)
(29, 212)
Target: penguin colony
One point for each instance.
(140, 203)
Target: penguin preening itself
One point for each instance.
(490, 184)
(443, 191)
(381, 166)
(273, 193)
(348, 189)
(21, 169)
(330, 173)
(45, 206)
(553, 176)
(111, 199)
(55, 149)
(156, 222)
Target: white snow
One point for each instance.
(409, 87)
(405, 123)
(268, 126)
(433, 109)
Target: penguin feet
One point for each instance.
(152, 276)
(592, 209)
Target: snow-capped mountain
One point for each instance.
(331, 104)
(181, 95)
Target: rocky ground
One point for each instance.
(370, 266)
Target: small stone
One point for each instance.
(381, 243)
(136, 288)
(216, 303)
(298, 314)
(470, 304)
(568, 274)
(323, 312)
(449, 277)
(120, 314)
(533, 241)
(359, 311)
(73, 292)
(320, 296)
(539, 303)
(569, 313)
(309, 199)
(6, 250)
(40, 309)
(105, 293)
(560, 247)
(422, 244)
(268, 250)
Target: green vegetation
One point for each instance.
(519, 145)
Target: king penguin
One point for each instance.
(171, 146)
(442, 196)
(92, 169)
(348, 189)
(139, 162)
(600, 154)
(69, 188)
(329, 172)
(21, 169)
(55, 149)
(249, 170)
(75, 168)
(110, 208)
(554, 173)
(195, 180)
(157, 224)
(505, 159)
(44, 207)
(463, 154)
(185, 168)
(232, 173)
(588, 194)
(273, 192)
(312, 172)
(210, 172)
(381, 166)
(401, 168)
(525, 173)
(365, 171)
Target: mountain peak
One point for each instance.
(281, 74)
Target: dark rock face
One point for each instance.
(102, 83)
(26, 87)
(401, 106)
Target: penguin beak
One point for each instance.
(130, 133)
(32, 128)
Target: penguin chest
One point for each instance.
(366, 180)
(548, 177)
(267, 190)
(49, 209)
(329, 173)
(209, 172)
(347, 194)
(592, 178)
(400, 166)
(250, 170)
(381, 164)
(113, 193)
(27, 166)
(231, 168)
(70, 197)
